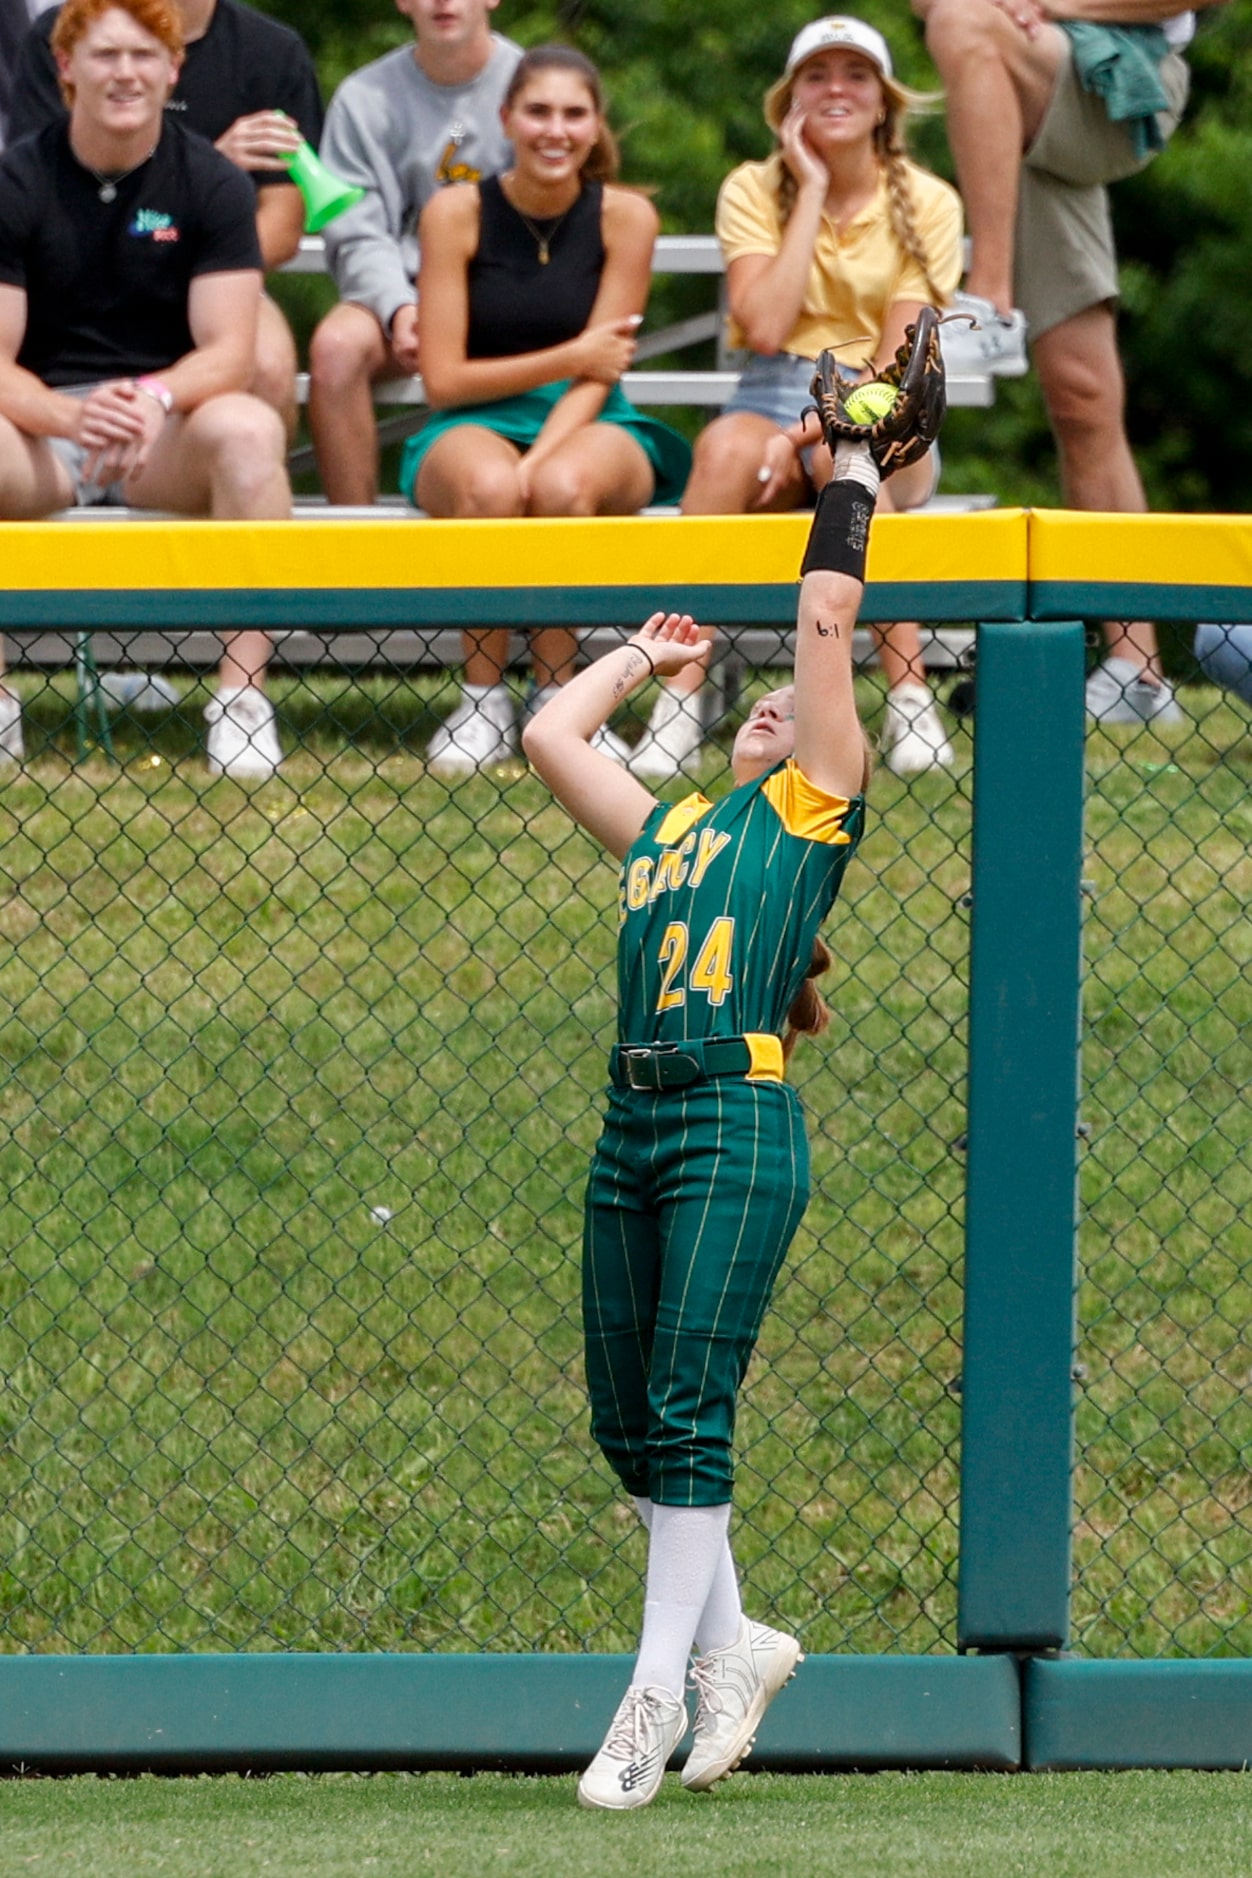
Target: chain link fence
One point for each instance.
(1163, 1541)
(300, 1085)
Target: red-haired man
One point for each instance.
(130, 279)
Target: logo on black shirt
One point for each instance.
(153, 224)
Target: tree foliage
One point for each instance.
(686, 79)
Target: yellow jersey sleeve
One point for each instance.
(680, 818)
(804, 809)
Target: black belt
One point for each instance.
(676, 1065)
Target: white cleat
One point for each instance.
(913, 738)
(673, 737)
(627, 1771)
(734, 1688)
(243, 736)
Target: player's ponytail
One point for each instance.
(809, 1013)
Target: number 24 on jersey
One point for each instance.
(710, 972)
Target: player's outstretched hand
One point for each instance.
(899, 413)
(672, 642)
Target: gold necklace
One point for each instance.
(108, 182)
(542, 242)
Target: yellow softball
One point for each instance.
(867, 403)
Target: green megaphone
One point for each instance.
(325, 194)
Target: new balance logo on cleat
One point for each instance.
(638, 1774)
(629, 1768)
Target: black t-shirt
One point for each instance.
(106, 283)
(244, 63)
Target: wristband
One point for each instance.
(636, 647)
(159, 392)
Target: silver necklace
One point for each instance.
(108, 183)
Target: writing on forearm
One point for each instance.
(825, 632)
(637, 665)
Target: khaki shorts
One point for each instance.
(1066, 260)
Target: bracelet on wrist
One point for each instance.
(159, 392)
(636, 647)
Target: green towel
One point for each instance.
(1121, 64)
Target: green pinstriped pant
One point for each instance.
(694, 1197)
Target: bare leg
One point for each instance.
(725, 481)
(470, 472)
(998, 84)
(1081, 376)
(898, 643)
(274, 380)
(32, 482)
(347, 353)
(228, 460)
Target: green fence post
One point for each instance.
(1017, 1393)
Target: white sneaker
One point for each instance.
(913, 739)
(1118, 693)
(12, 749)
(734, 1688)
(673, 736)
(243, 737)
(627, 1771)
(479, 732)
(996, 344)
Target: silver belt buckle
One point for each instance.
(640, 1066)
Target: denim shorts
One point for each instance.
(779, 388)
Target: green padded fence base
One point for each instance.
(1144, 1714)
(183, 1714)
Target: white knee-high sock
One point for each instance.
(685, 1544)
(721, 1620)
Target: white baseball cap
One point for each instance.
(839, 31)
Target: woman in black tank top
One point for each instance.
(532, 288)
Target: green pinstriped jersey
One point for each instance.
(720, 903)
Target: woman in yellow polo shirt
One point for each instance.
(835, 241)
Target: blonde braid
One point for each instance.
(891, 155)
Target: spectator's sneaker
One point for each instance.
(734, 1688)
(479, 732)
(996, 344)
(12, 749)
(913, 739)
(243, 737)
(627, 1771)
(1118, 693)
(672, 738)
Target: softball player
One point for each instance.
(702, 1173)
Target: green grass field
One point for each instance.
(1134, 1825)
(243, 1408)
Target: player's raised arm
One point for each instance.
(829, 742)
(598, 793)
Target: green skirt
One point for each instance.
(521, 419)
